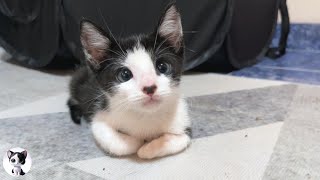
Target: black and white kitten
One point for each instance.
(17, 159)
(130, 89)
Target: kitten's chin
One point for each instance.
(151, 103)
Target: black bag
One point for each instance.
(215, 31)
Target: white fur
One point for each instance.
(129, 122)
(113, 141)
(16, 158)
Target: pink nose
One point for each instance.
(149, 90)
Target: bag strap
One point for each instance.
(276, 52)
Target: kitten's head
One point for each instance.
(17, 158)
(141, 72)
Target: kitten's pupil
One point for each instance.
(124, 75)
(163, 67)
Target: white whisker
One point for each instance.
(105, 23)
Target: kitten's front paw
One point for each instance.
(165, 145)
(113, 142)
(148, 151)
(128, 145)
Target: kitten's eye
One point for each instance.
(124, 75)
(163, 67)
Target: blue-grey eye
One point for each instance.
(124, 75)
(163, 67)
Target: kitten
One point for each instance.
(129, 90)
(17, 159)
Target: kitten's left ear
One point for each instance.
(170, 27)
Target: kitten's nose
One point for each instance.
(149, 90)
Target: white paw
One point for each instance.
(129, 146)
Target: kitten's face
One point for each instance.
(17, 158)
(138, 73)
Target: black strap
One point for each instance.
(276, 52)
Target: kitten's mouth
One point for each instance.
(151, 101)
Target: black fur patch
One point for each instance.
(22, 173)
(188, 131)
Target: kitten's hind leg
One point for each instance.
(22, 173)
(166, 144)
(75, 111)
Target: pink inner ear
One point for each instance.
(95, 44)
(171, 27)
(96, 54)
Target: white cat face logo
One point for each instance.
(17, 162)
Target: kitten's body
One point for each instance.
(130, 90)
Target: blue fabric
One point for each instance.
(300, 64)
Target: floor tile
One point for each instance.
(21, 85)
(297, 151)
(236, 155)
(210, 83)
(52, 104)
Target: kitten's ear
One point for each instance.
(94, 41)
(170, 27)
(9, 153)
(24, 153)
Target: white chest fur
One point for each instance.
(16, 170)
(172, 118)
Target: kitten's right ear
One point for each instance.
(24, 153)
(170, 27)
(9, 153)
(94, 41)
